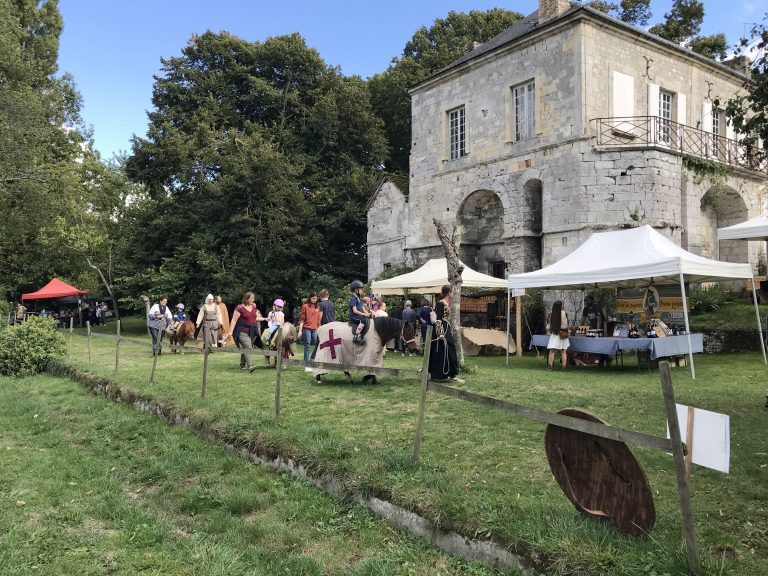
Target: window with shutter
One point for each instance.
(524, 97)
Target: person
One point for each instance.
(327, 307)
(158, 320)
(367, 306)
(358, 317)
(592, 315)
(209, 319)
(245, 329)
(309, 321)
(381, 312)
(275, 319)
(104, 310)
(92, 313)
(410, 320)
(178, 314)
(21, 313)
(443, 363)
(225, 327)
(424, 319)
(556, 322)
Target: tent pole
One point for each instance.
(687, 326)
(759, 324)
(509, 309)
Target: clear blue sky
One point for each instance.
(113, 48)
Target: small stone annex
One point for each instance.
(567, 123)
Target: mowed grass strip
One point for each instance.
(90, 487)
(485, 473)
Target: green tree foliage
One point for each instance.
(39, 140)
(714, 46)
(748, 111)
(428, 51)
(257, 165)
(682, 25)
(635, 12)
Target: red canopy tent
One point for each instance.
(54, 289)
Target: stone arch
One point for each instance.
(722, 206)
(481, 216)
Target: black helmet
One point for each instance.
(356, 284)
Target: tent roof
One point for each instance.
(627, 258)
(753, 229)
(431, 277)
(54, 289)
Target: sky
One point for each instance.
(113, 48)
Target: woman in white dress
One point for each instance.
(557, 327)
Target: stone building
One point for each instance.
(566, 123)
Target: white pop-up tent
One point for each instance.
(753, 229)
(635, 258)
(431, 277)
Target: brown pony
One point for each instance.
(289, 337)
(181, 333)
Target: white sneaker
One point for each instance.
(307, 369)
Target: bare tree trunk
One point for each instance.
(107, 284)
(451, 242)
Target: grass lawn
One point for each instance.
(90, 487)
(485, 473)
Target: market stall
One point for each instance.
(54, 289)
(637, 257)
(752, 229)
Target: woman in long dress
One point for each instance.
(209, 319)
(226, 339)
(443, 364)
(557, 324)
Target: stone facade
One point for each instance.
(525, 202)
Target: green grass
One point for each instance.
(731, 316)
(90, 487)
(485, 473)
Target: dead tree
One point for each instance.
(451, 242)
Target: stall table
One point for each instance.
(657, 347)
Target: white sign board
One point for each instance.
(711, 437)
(514, 292)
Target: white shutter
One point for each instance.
(681, 109)
(653, 110)
(706, 116)
(730, 133)
(623, 104)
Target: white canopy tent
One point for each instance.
(634, 258)
(431, 277)
(753, 229)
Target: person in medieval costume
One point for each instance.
(443, 362)
(209, 320)
(226, 340)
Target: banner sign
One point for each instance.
(663, 302)
(478, 305)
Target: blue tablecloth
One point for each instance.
(659, 347)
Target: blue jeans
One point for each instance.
(157, 338)
(309, 337)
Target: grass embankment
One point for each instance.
(89, 487)
(485, 473)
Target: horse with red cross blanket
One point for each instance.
(336, 345)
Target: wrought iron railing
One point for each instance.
(641, 131)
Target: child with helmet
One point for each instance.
(178, 314)
(358, 316)
(275, 319)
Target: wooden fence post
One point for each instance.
(278, 371)
(423, 399)
(155, 352)
(206, 351)
(683, 490)
(88, 328)
(518, 326)
(117, 348)
(71, 329)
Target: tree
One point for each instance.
(451, 240)
(428, 51)
(714, 46)
(258, 163)
(635, 12)
(748, 111)
(683, 21)
(40, 139)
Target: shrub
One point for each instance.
(25, 349)
(708, 299)
(5, 309)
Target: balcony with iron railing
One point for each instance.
(663, 134)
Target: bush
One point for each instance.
(5, 309)
(708, 299)
(25, 349)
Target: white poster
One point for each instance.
(711, 437)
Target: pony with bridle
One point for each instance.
(180, 333)
(335, 345)
(289, 337)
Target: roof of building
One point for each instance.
(398, 181)
(530, 24)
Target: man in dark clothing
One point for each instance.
(397, 313)
(327, 307)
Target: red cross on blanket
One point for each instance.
(331, 343)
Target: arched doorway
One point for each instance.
(722, 206)
(481, 217)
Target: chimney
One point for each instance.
(551, 9)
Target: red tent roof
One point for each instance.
(54, 289)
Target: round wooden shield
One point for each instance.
(600, 476)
